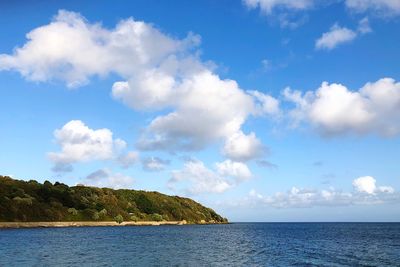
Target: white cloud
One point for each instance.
(337, 35)
(157, 71)
(286, 13)
(199, 178)
(79, 143)
(366, 193)
(207, 109)
(241, 147)
(333, 109)
(367, 184)
(379, 7)
(195, 178)
(265, 104)
(129, 159)
(72, 50)
(154, 164)
(237, 170)
(267, 6)
(105, 178)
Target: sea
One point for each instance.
(236, 244)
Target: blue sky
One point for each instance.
(263, 110)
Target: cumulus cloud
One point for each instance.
(200, 179)
(336, 35)
(208, 109)
(195, 178)
(379, 7)
(265, 104)
(333, 109)
(365, 193)
(129, 159)
(157, 72)
(339, 35)
(72, 50)
(241, 147)
(154, 164)
(79, 143)
(237, 170)
(105, 178)
(367, 184)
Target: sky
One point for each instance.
(264, 110)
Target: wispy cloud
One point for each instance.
(154, 164)
(106, 178)
(195, 178)
(365, 193)
(339, 35)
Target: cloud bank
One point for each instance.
(365, 193)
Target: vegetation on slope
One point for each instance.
(32, 201)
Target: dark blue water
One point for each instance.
(242, 244)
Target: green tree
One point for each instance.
(103, 212)
(156, 217)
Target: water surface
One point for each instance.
(239, 244)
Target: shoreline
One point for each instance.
(11, 225)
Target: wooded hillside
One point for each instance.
(33, 201)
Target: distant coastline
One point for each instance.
(4, 225)
(32, 204)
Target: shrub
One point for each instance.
(73, 211)
(119, 219)
(156, 217)
(95, 216)
(103, 213)
(134, 218)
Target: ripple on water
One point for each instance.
(242, 244)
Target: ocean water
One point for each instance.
(238, 244)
